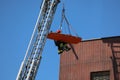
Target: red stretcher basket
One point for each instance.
(64, 38)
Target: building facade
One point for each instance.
(97, 59)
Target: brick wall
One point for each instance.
(91, 56)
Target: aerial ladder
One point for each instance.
(32, 59)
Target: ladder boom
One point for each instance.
(30, 64)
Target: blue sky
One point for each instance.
(90, 19)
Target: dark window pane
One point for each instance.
(101, 75)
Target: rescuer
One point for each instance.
(61, 45)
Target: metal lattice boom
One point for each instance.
(30, 64)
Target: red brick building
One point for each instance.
(97, 59)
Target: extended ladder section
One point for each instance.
(116, 59)
(30, 64)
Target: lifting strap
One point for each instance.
(62, 17)
(67, 22)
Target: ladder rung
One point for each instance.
(117, 57)
(115, 46)
(118, 72)
(118, 65)
(116, 52)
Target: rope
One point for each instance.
(62, 17)
(66, 20)
(69, 26)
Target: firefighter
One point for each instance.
(61, 45)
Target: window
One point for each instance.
(101, 75)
